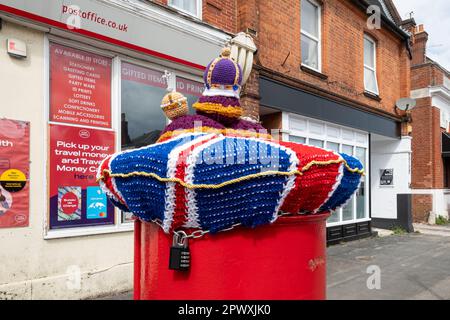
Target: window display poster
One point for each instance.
(14, 173)
(76, 199)
(80, 87)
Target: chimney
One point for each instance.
(409, 25)
(419, 46)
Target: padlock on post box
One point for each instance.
(180, 257)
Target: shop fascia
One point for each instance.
(171, 35)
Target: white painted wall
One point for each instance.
(389, 154)
(31, 267)
(443, 105)
(440, 98)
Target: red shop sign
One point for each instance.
(80, 87)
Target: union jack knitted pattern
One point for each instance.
(211, 182)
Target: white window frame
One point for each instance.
(117, 59)
(288, 131)
(304, 33)
(374, 68)
(198, 14)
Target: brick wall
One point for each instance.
(343, 28)
(428, 74)
(218, 13)
(277, 28)
(422, 205)
(272, 121)
(427, 163)
(221, 14)
(250, 96)
(420, 77)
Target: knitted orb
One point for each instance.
(223, 72)
(174, 105)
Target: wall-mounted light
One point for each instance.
(243, 49)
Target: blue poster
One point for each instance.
(95, 203)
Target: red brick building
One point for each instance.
(430, 86)
(326, 77)
(329, 73)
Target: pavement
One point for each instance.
(436, 230)
(410, 266)
(392, 267)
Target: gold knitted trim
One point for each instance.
(229, 182)
(210, 71)
(232, 112)
(225, 132)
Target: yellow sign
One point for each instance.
(13, 180)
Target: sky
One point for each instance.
(435, 16)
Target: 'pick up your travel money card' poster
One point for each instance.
(76, 199)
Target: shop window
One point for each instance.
(141, 117)
(192, 7)
(191, 89)
(316, 143)
(338, 139)
(370, 65)
(83, 122)
(297, 139)
(347, 149)
(333, 146)
(334, 218)
(311, 34)
(347, 211)
(80, 135)
(360, 153)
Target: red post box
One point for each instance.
(282, 261)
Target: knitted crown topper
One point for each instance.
(223, 72)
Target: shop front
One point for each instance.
(100, 103)
(94, 74)
(375, 140)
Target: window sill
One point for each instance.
(372, 96)
(313, 72)
(87, 231)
